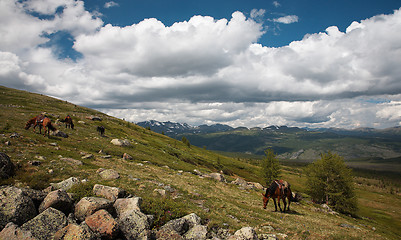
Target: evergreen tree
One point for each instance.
(186, 141)
(270, 168)
(330, 181)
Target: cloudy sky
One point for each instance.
(304, 63)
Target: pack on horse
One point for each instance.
(68, 122)
(279, 189)
(35, 121)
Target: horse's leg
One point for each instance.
(275, 204)
(285, 203)
(289, 200)
(278, 199)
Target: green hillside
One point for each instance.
(159, 161)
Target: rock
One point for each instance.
(256, 185)
(88, 156)
(82, 122)
(72, 161)
(46, 224)
(198, 232)
(7, 168)
(89, 205)
(119, 142)
(14, 135)
(267, 236)
(197, 172)
(74, 232)
(126, 156)
(109, 174)
(59, 200)
(134, 224)
(126, 205)
(217, 176)
(168, 234)
(161, 192)
(240, 182)
(59, 133)
(245, 233)
(110, 193)
(37, 196)
(103, 223)
(15, 206)
(66, 184)
(182, 225)
(13, 232)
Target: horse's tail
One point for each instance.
(72, 125)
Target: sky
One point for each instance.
(303, 63)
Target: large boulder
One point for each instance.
(89, 205)
(182, 225)
(46, 224)
(110, 193)
(15, 206)
(74, 231)
(198, 232)
(58, 199)
(7, 168)
(102, 223)
(13, 232)
(217, 176)
(133, 223)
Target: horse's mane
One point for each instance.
(272, 188)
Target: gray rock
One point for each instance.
(13, 232)
(245, 233)
(59, 133)
(126, 205)
(59, 200)
(72, 161)
(7, 168)
(198, 232)
(102, 223)
(134, 224)
(89, 205)
(46, 224)
(217, 176)
(182, 225)
(66, 184)
(122, 143)
(109, 174)
(15, 206)
(110, 193)
(74, 231)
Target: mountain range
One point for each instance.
(288, 142)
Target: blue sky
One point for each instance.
(242, 63)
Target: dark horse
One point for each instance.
(279, 189)
(47, 126)
(100, 129)
(68, 122)
(35, 121)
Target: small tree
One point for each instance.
(270, 168)
(330, 181)
(186, 141)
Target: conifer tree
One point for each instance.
(270, 168)
(330, 181)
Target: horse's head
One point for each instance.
(265, 200)
(27, 125)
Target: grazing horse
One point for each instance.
(47, 126)
(100, 129)
(35, 121)
(279, 189)
(68, 122)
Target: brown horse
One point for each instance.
(279, 189)
(68, 122)
(35, 121)
(47, 126)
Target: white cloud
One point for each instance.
(111, 4)
(276, 4)
(207, 70)
(286, 19)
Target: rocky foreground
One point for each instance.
(111, 214)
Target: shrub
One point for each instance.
(270, 168)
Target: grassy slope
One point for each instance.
(220, 203)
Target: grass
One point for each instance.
(159, 161)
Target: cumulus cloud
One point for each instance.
(206, 70)
(286, 19)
